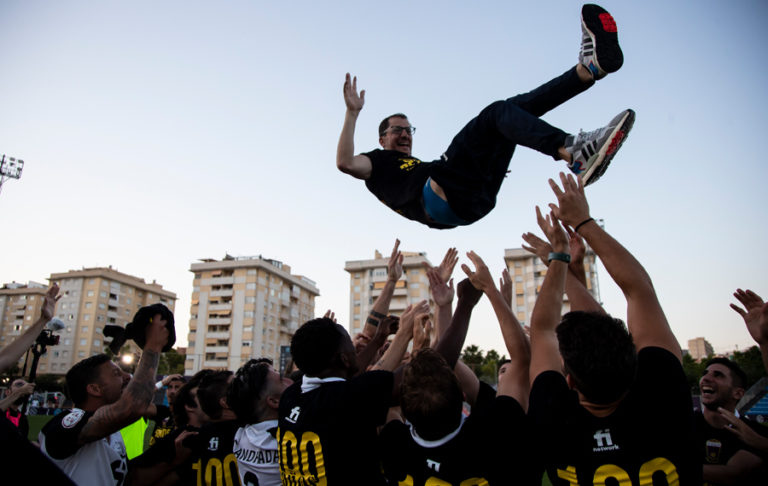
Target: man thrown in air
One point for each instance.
(460, 187)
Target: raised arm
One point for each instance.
(545, 351)
(394, 354)
(755, 314)
(12, 352)
(645, 318)
(452, 340)
(358, 166)
(579, 296)
(138, 394)
(441, 288)
(381, 305)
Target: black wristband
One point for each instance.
(372, 322)
(377, 315)
(562, 257)
(576, 229)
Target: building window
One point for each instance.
(103, 293)
(83, 342)
(96, 343)
(90, 293)
(81, 354)
(87, 317)
(84, 329)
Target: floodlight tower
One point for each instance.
(10, 168)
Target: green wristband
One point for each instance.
(563, 257)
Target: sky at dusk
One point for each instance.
(158, 133)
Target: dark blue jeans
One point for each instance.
(474, 166)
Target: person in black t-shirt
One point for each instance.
(726, 459)
(606, 402)
(18, 393)
(438, 444)
(461, 187)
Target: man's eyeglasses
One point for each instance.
(398, 130)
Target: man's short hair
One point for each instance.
(738, 376)
(315, 346)
(177, 378)
(598, 353)
(502, 363)
(184, 398)
(248, 388)
(83, 374)
(385, 122)
(430, 395)
(212, 388)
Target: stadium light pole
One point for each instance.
(10, 168)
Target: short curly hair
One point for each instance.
(315, 346)
(598, 353)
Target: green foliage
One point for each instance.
(50, 383)
(171, 363)
(751, 361)
(484, 365)
(693, 371)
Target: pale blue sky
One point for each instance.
(200, 128)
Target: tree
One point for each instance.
(171, 363)
(751, 362)
(473, 357)
(693, 370)
(49, 382)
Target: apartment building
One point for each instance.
(528, 271)
(20, 306)
(90, 299)
(367, 279)
(699, 348)
(243, 308)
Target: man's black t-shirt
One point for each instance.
(328, 435)
(398, 180)
(212, 461)
(492, 447)
(648, 439)
(717, 446)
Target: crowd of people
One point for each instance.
(584, 398)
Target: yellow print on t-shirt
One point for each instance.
(408, 164)
(621, 477)
(298, 465)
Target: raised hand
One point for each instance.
(422, 332)
(553, 231)
(49, 303)
(445, 269)
(408, 316)
(481, 278)
(505, 286)
(329, 314)
(538, 247)
(353, 100)
(442, 292)
(572, 207)
(395, 265)
(577, 247)
(468, 292)
(755, 314)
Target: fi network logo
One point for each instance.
(603, 441)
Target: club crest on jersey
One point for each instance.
(294, 415)
(213, 444)
(408, 164)
(713, 450)
(72, 418)
(604, 441)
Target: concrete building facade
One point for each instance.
(367, 278)
(528, 271)
(90, 299)
(699, 348)
(243, 308)
(20, 306)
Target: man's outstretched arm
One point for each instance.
(645, 318)
(380, 307)
(545, 351)
(11, 353)
(358, 166)
(137, 396)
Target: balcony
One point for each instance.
(215, 365)
(222, 293)
(218, 335)
(220, 320)
(219, 307)
(230, 280)
(217, 349)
